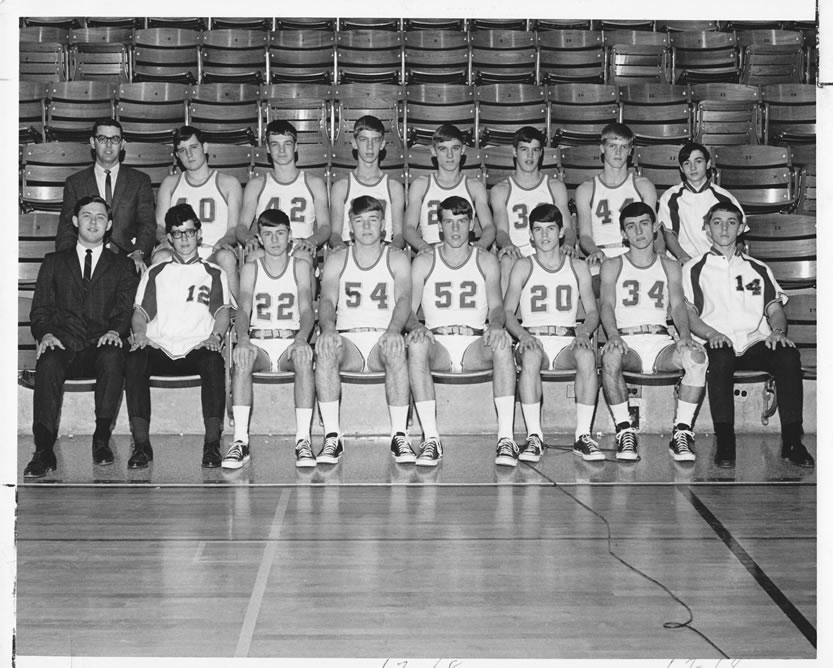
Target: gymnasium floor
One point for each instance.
(374, 559)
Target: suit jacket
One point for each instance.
(78, 316)
(134, 213)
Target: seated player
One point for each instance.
(514, 198)
(273, 324)
(682, 207)
(179, 319)
(546, 288)
(637, 290)
(422, 229)
(738, 311)
(458, 287)
(367, 179)
(363, 309)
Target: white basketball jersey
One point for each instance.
(366, 296)
(641, 294)
(550, 297)
(380, 190)
(455, 295)
(208, 203)
(605, 205)
(429, 222)
(293, 198)
(275, 298)
(519, 205)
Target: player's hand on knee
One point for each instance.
(244, 354)
(509, 250)
(687, 343)
(529, 342)
(48, 341)
(110, 338)
(139, 341)
(213, 343)
(392, 343)
(570, 250)
(222, 244)
(251, 244)
(327, 344)
(596, 257)
(300, 352)
(425, 249)
(496, 338)
(718, 340)
(582, 340)
(615, 344)
(337, 243)
(419, 334)
(776, 337)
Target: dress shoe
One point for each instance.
(798, 455)
(102, 454)
(142, 454)
(724, 456)
(211, 455)
(42, 463)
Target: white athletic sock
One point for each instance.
(620, 413)
(241, 422)
(532, 418)
(584, 419)
(685, 413)
(427, 412)
(398, 419)
(505, 417)
(303, 417)
(329, 415)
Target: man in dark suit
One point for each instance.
(126, 190)
(80, 317)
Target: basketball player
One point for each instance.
(458, 287)
(365, 292)
(422, 228)
(637, 290)
(179, 318)
(214, 196)
(367, 179)
(273, 324)
(302, 196)
(546, 288)
(600, 200)
(514, 198)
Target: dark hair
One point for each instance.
(272, 218)
(455, 205)
(634, 210)
(106, 123)
(92, 199)
(368, 123)
(366, 204)
(727, 206)
(617, 130)
(447, 132)
(179, 215)
(527, 134)
(545, 213)
(689, 148)
(281, 127)
(185, 133)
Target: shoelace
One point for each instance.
(429, 448)
(589, 443)
(330, 446)
(627, 439)
(304, 450)
(235, 452)
(401, 444)
(504, 448)
(681, 437)
(533, 443)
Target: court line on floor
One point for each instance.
(244, 640)
(804, 626)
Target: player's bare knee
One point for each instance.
(612, 361)
(585, 359)
(531, 360)
(694, 364)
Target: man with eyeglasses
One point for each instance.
(127, 191)
(80, 318)
(180, 315)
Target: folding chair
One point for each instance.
(789, 113)
(36, 237)
(30, 111)
(801, 317)
(571, 56)
(167, 55)
(657, 113)
(503, 108)
(726, 113)
(804, 158)
(100, 54)
(658, 163)
(701, 56)
(635, 56)
(233, 56)
(579, 164)
(43, 54)
(45, 168)
(155, 160)
(306, 106)
(760, 177)
(26, 344)
(499, 163)
(771, 56)
(302, 56)
(787, 243)
(503, 56)
(427, 106)
(369, 56)
(579, 111)
(436, 56)
(226, 112)
(151, 111)
(384, 101)
(73, 106)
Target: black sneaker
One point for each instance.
(237, 455)
(303, 454)
(430, 452)
(798, 455)
(507, 452)
(681, 445)
(586, 448)
(627, 444)
(532, 449)
(211, 455)
(332, 449)
(401, 449)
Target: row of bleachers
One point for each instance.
(568, 114)
(479, 56)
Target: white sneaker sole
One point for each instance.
(305, 463)
(404, 459)
(506, 461)
(427, 462)
(323, 459)
(627, 456)
(234, 463)
(529, 457)
(593, 457)
(690, 457)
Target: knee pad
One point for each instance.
(694, 365)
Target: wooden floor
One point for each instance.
(515, 566)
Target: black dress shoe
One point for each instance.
(142, 454)
(724, 461)
(102, 454)
(42, 463)
(799, 456)
(211, 455)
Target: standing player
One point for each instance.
(214, 196)
(369, 180)
(740, 315)
(514, 198)
(683, 207)
(302, 196)
(600, 200)
(179, 319)
(273, 324)
(365, 292)
(546, 287)
(422, 227)
(637, 290)
(458, 287)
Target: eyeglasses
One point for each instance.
(188, 234)
(102, 139)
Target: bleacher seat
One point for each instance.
(503, 108)
(232, 159)
(306, 106)
(43, 54)
(198, 23)
(789, 113)
(312, 23)
(62, 22)
(167, 55)
(36, 237)
(155, 160)
(701, 56)
(428, 106)
(369, 56)
(497, 24)
(771, 56)
(637, 56)
(133, 22)
(760, 177)
(30, 111)
(45, 168)
(579, 111)
(578, 164)
(658, 163)
(436, 56)
(434, 24)
(542, 25)
(502, 56)
(686, 25)
(73, 106)
(151, 111)
(100, 54)
(726, 113)
(233, 56)
(302, 56)
(801, 319)
(226, 112)
(382, 100)
(262, 23)
(787, 243)
(570, 56)
(641, 25)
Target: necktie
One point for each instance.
(88, 266)
(108, 188)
